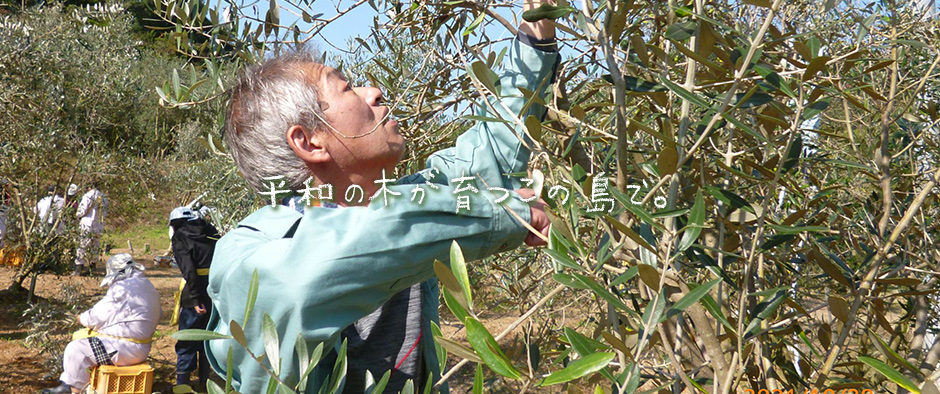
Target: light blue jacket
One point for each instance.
(342, 264)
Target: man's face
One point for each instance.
(363, 135)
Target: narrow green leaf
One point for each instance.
(712, 307)
(729, 198)
(314, 361)
(742, 100)
(478, 118)
(670, 213)
(252, 296)
(438, 349)
(630, 273)
(793, 154)
(273, 16)
(183, 389)
(680, 31)
(653, 312)
(891, 354)
(486, 347)
(339, 369)
(176, 84)
(283, 388)
(556, 242)
(428, 386)
(459, 266)
(640, 212)
(473, 25)
(534, 126)
(272, 385)
(772, 300)
(563, 260)
(850, 164)
(603, 293)
(569, 281)
(691, 298)
(696, 223)
(890, 373)
(369, 382)
(162, 95)
(272, 347)
(649, 275)
(814, 109)
(635, 84)
(409, 387)
(379, 387)
(760, 3)
(303, 358)
(693, 98)
(198, 335)
(479, 71)
(774, 79)
(743, 126)
(579, 368)
(478, 380)
(582, 344)
(213, 388)
(630, 233)
(451, 284)
(547, 11)
(458, 310)
(777, 240)
(796, 229)
(229, 365)
(457, 349)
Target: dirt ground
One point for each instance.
(21, 367)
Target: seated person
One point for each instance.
(118, 328)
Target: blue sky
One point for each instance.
(356, 23)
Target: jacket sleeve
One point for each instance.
(83, 206)
(493, 150)
(341, 264)
(182, 253)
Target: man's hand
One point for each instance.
(538, 219)
(200, 309)
(543, 29)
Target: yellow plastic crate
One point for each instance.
(131, 379)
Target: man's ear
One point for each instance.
(307, 145)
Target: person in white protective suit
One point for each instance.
(118, 329)
(49, 208)
(91, 213)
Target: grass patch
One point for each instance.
(140, 235)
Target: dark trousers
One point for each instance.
(187, 352)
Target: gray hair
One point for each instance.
(266, 100)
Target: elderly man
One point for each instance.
(362, 270)
(118, 328)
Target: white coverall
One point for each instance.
(92, 210)
(49, 208)
(130, 309)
